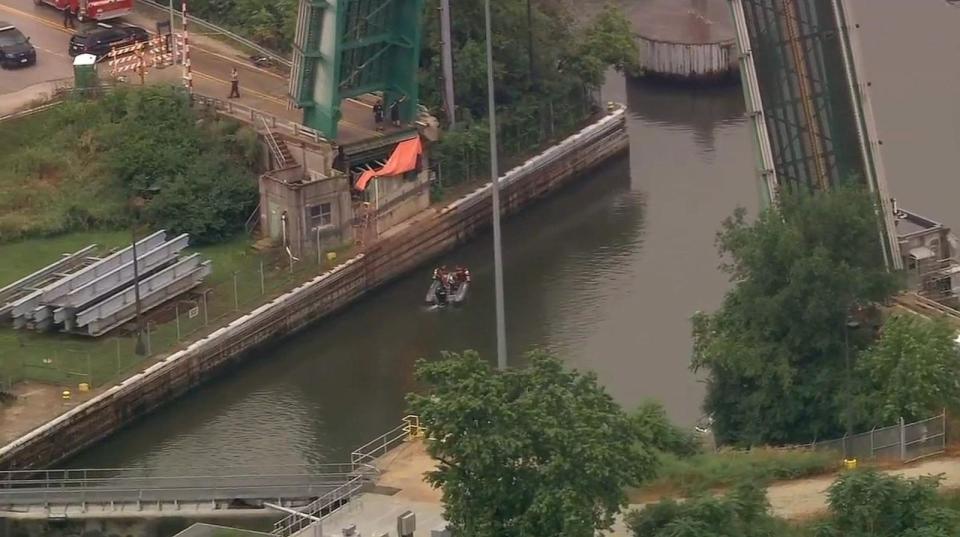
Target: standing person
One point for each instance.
(395, 111)
(68, 17)
(234, 84)
(378, 114)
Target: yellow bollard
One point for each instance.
(83, 387)
(850, 464)
(331, 256)
(65, 395)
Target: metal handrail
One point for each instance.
(272, 143)
(71, 474)
(283, 60)
(293, 523)
(368, 453)
(236, 110)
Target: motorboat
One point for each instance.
(448, 287)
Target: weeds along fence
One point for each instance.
(904, 442)
(68, 361)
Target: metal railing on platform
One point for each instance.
(368, 453)
(184, 484)
(252, 115)
(317, 509)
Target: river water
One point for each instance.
(606, 273)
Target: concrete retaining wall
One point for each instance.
(399, 251)
(693, 62)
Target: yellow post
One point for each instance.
(65, 395)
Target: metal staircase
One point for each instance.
(281, 154)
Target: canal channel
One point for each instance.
(606, 273)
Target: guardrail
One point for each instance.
(314, 512)
(244, 42)
(368, 453)
(252, 115)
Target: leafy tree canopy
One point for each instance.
(774, 351)
(196, 171)
(655, 429)
(912, 371)
(871, 504)
(527, 452)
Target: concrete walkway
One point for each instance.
(402, 488)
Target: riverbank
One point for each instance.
(400, 250)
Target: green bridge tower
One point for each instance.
(345, 48)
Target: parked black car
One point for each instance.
(99, 42)
(15, 48)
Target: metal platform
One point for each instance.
(138, 491)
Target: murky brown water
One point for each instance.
(606, 273)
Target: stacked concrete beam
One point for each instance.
(29, 284)
(122, 276)
(155, 290)
(96, 298)
(35, 306)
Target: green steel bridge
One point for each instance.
(805, 92)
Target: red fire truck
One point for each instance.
(97, 10)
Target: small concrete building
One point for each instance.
(928, 249)
(306, 211)
(331, 195)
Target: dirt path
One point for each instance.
(404, 467)
(807, 497)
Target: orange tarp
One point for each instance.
(403, 160)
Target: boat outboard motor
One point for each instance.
(442, 295)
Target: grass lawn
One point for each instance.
(68, 360)
(708, 471)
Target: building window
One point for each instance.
(320, 215)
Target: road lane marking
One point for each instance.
(201, 74)
(41, 20)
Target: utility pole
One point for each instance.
(139, 349)
(495, 189)
(173, 35)
(446, 57)
(849, 324)
(533, 75)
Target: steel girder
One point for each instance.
(345, 48)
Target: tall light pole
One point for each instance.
(173, 35)
(849, 324)
(139, 348)
(495, 189)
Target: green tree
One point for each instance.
(526, 452)
(912, 371)
(871, 504)
(742, 513)
(195, 170)
(655, 429)
(774, 351)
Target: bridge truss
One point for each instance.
(344, 48)
(812, 119)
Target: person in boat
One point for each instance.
(440, 274)
(461, 274)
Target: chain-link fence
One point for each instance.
(904, 442)
(237, 285)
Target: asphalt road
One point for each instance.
(211, 65)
